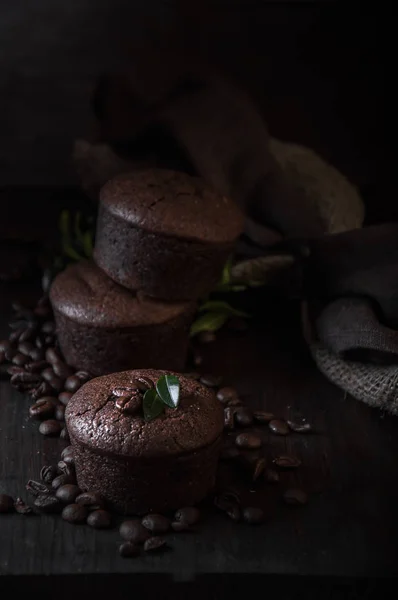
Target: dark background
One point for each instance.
(319, 71)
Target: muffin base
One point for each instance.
(138, 486)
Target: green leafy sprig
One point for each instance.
(165, 393)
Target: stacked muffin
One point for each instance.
(162, 240)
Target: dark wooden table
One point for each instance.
(342, 544)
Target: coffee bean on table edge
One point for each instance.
(303, 427)
(37, 488)
(156, 523)
(249, 441)
(225, 394)
(295, 497)
(279, 427)
(134, 531)
(6, 503)
(211, 380)
(68, 493)
(47, 373)
(47, 503)
(155, 544)
(75, 513)
(64, 397)
(62, 479)
(72, 384)
(91, 500)
(56, 383)
(53, 356)
(51, 427)
(99, 519)
(188, 514)
(22, 508)
(287, 462)
(244, 416)
(261, 416)
(59, 412)
(253, 515)
(48, 473)
(43, 408)
(128, 550)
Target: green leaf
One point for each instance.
(222, 307)
(88, 244)
(64, 220)
(70, 252)
(152, 405)
(226, 273)
(77, 227)
(168, 388)
(211, 321)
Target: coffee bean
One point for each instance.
(47, 373)
(91, 500)
(128, 550)
(65, 469)
(37, 355)
(14, 337)
(234, 402)
(261, 416)
(48, 327)
(43, 408)
(83, 376)
(59, 412)
(62, 370)
(99, 519)
(302, 427)
(155, 544)
(67, 452)
(20, 359)
(64, 397)
(244, 417)
(129, 404)
(53, 356)
(67, 493)
(47, 504)
(226, 394)
(134, 531)
(229, 502)
(142, 383)
(259, 468)
(72, 384)
(62, 480)
(64, 435)
(43, 389)
(287, 462)
(13, 370)
(25, 348)
(22, 508)
(211, 380)
(156, 523)
(50, 427)
(74, 513)
(5, 345)
(206, 337)
(36, 366)
(271, 476)
(179, 526)
(6, 503)
(23, 378)
(229, 453)
(253, 515)
(229, 417)
(56, 383)
(48, 474)
(188, 514)
(250, 441)
(37, 488)
(295, 497)
(278, 427)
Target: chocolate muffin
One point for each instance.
(165, 233)
(140, 466)
(104, 328)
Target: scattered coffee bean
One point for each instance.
(155, 544)
(68, 451)
(48, 474)
(295, 497)
(253, 515)
(25, 348)
(36, 366)
(75, 513)
(302, 427)
(134, 531)
(64, 435)
(99, 519)
(43, 389)
(48, 327)
(62, 370)
(22, 508)
(225, 394)
(211, 380)
(72, 384)
(37, 355)
(47, 504)
(62, 479)
(64, 397)
(279, 427)
(229, 417)
(234, 402)
(206, 337)
(250, 441)
(56, 383)
(244, 416)
(15, 336)
(287, 462)
(229, 503)
(50, 427)
(128, 550)
(13, 370)
(259, 468)
(5, 345)
(261, 416)
(67, 493)
(91, 500)
(43, 408)
(53, 356)
(59, 412)
(37, 488)
(20, 359)
(83, 376)
(156, 523)
(65, 469)
(271, 476)
(47, 373)
(23, 378)
(229, 453)
(189, 515)
(6, 503)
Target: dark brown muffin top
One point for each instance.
(85, 294)
(173, 204)
(94, 420)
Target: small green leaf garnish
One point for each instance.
(168, 388)
(152, 405)
(211, 321)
